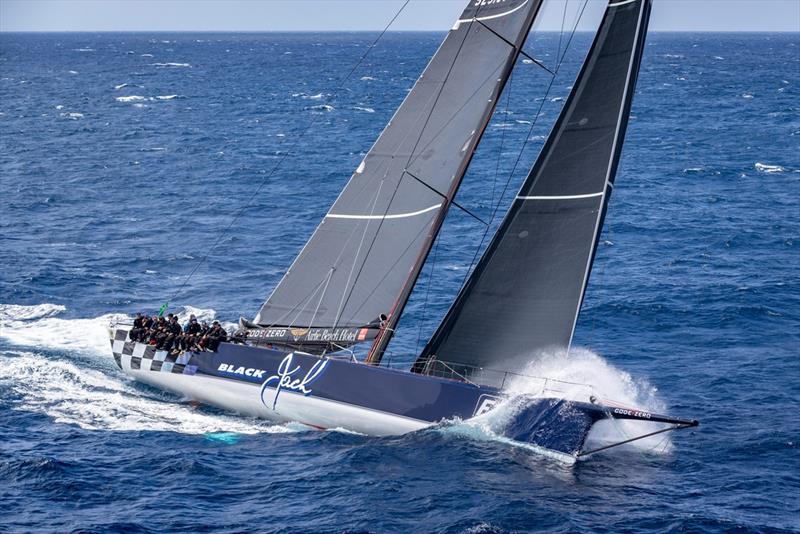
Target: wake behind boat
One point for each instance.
(350, 283)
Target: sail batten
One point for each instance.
(524, 296)
(365, 256)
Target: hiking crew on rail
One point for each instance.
(165, 333)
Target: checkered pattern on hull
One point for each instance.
(145, 357)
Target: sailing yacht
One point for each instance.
(350, 283)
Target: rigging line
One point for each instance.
(326, 277)
(321, 297)
(524, 144)
(521, 51)
(300, 303)
(358, 253)
(450, 200)
(606, 447)
(422, 131)
(302, 308)
(502, 137)
(378, 284)
(455, 114)
(561, 33)
(286, 154)
(427, 293)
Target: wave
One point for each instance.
(84, 387)
(21, 313)
(367, 79)
(93, 399)
(73, 115)
(322, 107)
(139, 98)
(164, 65)
(365, 110)
(131, 98)
(575, 375)
(763, 167)
(124, 85)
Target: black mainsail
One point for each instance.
(525, 293)
(352, 279)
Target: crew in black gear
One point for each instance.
(215, 336)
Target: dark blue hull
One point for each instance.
(331, 392)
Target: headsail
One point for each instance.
(526, 291)
(364, 258)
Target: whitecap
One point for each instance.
(367, 78)
(73, 72)
(18, 312)
(521, 121)
(102, 398)
(569, 374)
(83, 49)
(318, 96)
(576, 375)
(527, 61)
(747, 95)
(167, 97)
(366, 110)
(59, 106)
(161, 65)
(719, 57)
(323, 107)
(130, 98)
(147, 55)
(763, 167)
(73, 115)
(120, 86)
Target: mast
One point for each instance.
(524, 296)
(388, 326)
(351, 281)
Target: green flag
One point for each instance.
(163, 309)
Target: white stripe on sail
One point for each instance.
(615, 4)
(488, 17)
(561, 197)
(379, 217)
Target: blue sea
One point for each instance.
(130, 160)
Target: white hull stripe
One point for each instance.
(488, 17)
(615, 4)
(561, 197)
(380, 217)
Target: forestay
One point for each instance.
(526, 291)
(364, 257)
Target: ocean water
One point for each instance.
(124, 157)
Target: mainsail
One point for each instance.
(525, 293)
(354, 275)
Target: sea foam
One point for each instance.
(63, 368)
